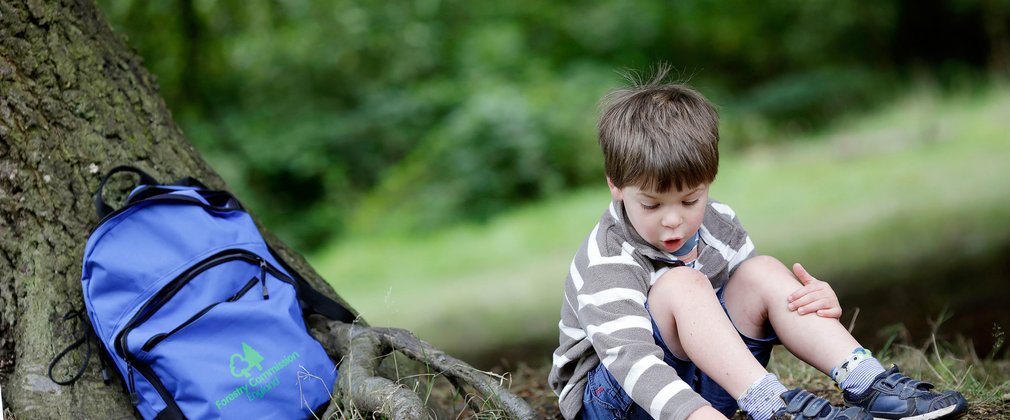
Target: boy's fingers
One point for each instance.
(811, 307)
(834, 312)
(814, 302)
(802, 274)
(803, 291)
(803, 301)
(819, 306)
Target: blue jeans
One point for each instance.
(605, 399)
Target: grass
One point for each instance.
(927, 176)
(948, 365)
(984, 382)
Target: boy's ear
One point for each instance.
(615, 192)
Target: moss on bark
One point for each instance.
(75, 101)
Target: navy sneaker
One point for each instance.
(802, 405)
(893, 395)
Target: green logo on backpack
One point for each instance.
(250, 357)
(258, 385)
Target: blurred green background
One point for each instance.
(437, 160)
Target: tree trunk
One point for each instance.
(74, 102)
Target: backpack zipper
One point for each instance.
(157, 338)
(157, 199)
(131, 385)
(166, 294)
(263, 278)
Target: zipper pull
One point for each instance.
(131, 385)
(106, 378)
(263, 279)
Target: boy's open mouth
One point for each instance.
(672, 244)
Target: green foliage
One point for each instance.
(857, 206)
(336, 115)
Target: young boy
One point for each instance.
(670, 313)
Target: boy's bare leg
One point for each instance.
(756, 295)
(695, 327)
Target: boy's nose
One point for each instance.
(671, 220)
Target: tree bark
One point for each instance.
(74, 103)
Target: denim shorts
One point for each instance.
(605, 399)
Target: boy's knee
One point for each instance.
(756, 271)
(763, 263)
(761, 277)
(678, 280)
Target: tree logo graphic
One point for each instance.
(249, 357)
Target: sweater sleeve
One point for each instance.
(723, 231)
(610, 297)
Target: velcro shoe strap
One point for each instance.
(908, 392)
(799, 401)
(920, 385)
(813, 410)
(892, 381)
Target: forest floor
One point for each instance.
(943, 348)
(985, 383)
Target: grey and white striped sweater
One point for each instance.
(604, 318)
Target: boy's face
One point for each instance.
(665, 220)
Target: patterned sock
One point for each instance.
(856, 373)
(763, 399)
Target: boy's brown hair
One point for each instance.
(659, 135)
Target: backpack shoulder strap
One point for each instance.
(320, 304)
(314, 300)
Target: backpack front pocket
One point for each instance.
(241, 353)
(223, 338)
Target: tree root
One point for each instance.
(361, 349)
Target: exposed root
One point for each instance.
(361, 349)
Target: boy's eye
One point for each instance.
(650, 206)
(692, 202)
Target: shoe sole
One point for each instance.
(938, 414)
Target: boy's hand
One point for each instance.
(815, 296)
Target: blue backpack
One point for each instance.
(198, 314)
